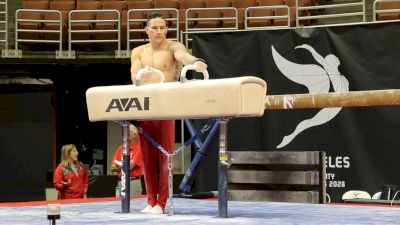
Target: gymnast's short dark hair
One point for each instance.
(154, 15)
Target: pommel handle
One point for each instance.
(191, 67)
(147, 71)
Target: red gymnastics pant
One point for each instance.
(155, 163)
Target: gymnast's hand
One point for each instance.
(200, 66)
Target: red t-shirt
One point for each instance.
(135, 155)
(78, 186)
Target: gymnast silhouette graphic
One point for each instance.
(318, 79)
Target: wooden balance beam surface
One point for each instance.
(332, 99)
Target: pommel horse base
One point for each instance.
(219, 98)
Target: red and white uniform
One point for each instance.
(134, 154)
(155, 163)
(79, 183)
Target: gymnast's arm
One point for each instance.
(136, 64)
(182, 55)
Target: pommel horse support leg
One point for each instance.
(125, 172)
(195, 99)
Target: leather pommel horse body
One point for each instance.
(228, 97)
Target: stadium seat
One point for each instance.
(64, 7)
(117, 5)
(259, 22)
(187, 4)
(241, 6)
(84, 5)
(388, 15)
(244, 3)
(166, 4)
(212, 23)
(263, 12)
(280, 11)
(84, 1)
(162, 4)
(270, 2)
(137, 4)
(44, 5)
(284, 12)
(292, 5)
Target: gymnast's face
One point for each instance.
(156, 29)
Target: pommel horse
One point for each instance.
(218, 98)
(187, 99)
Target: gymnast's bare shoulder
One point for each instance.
(136, 51)
(177, 47)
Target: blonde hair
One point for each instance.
(133, 133)
(65, 153)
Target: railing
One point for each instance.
(91, 22)
(40, 22)
(226, 15)
(4, 23)
(376, 11)
(248, 19)
(300, 9)
(190, 20)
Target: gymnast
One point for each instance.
(166, 56)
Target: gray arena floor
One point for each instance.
(204, 212)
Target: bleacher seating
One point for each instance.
(174, 4)
(109, 19)
(142, 4)
(194, 15)
(31, 20)
(292, 6)
(135, 18)
(188, 4)
(77, 27)
(241, 6)
(229, 13)
(210, 14)
(64, 6)
(284, 12)
(255, 19)
(388, 5)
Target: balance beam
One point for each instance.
(333, 99)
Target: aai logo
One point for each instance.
(125, 104)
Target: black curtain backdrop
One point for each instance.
(26, 140)
(361, 143)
